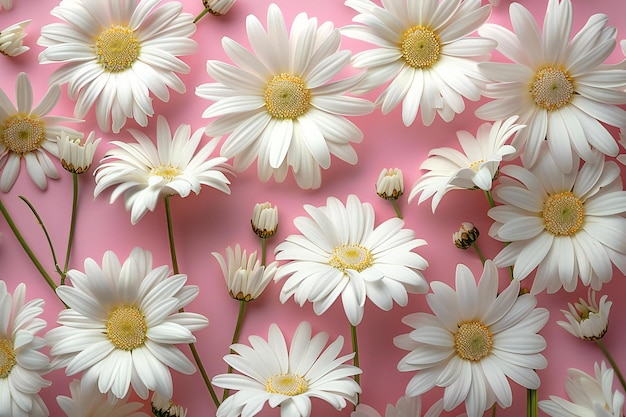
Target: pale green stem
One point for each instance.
(396, 208)
(46, 234)
(531, 403)
(355, 361)
(479, 252)
(263, 251)
(70, 238)
(201, 15)
(240, 316)
(609, 357)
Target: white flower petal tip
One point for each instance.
(12, 39)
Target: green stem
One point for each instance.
(492, 203)
(531, 403)
(263, 251)
(70, 238)
(355, 348)
(396, 208)
(494, 409)
(612, 362)
(479, 252)
(27, 249)
(240, 316)
(45, 232)
(201, 15)
(205, 376)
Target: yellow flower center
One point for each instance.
(476, 164)
(563, 214)
(288, 384)
(552, 88)
(166, 171)
(7, 357)
(117, 49)
(127, 328)
(22, 134)
(351, 256)
(420, 47)
(473, 341)
(287, 96)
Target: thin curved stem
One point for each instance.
(170, 234)
(479, 252)
(397, 208)
(240, 317)
(45, 232)
(70, 238)
(201, 15)
(609, 357)
(490, 199)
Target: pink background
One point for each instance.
(211, 221)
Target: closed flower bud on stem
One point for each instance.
(215, 7)
(162, 407)
(76, 157)
(465, 237)
(390, 184)
(11, 39)
(264, 220)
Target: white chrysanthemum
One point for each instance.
(245, 277)
(587, 320)
(565, 225)
(76, 157)
(341, 253)
(557, 86)
(279, 103)
(589, 395)
(405, 407)
(116, 53)
(27, 133)
(88, 401)
(7, 4)
(423, 53)
(21, 363)
(12, 39)
(144, 172)
(122, 325)
(474, 168)
(287, 378)
(476, 339)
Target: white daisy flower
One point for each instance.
(474, 168)
(12, 39)
(122, 325)
(77, 157)
(476, 340)
(116, 54)
(144, 172)
(88, 401)
(589, 395)
(27, 133)
(557, 86)
(6, 4)
(21, 362)
(587, 320)
(405, 407)
(279, 103)
(341, 253)
(287, 378)
(565, 225)
(423, 54)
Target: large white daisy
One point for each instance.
(423, 54)
(474, 168)
(28, 133)
(557, 86)
(287, 378)
(144, 172)
(117, 53)
(21, 362)
(279, 103)
(340, 252)
(476, 339)
(122, 325)
(565, 225)
(88, 401)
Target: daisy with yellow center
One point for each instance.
(122, 324)
(565, 226)
(476, 340)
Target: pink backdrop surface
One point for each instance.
(211, 221)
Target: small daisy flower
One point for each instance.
(279, 104)
(12, 39)
(122, 325)
(587, 320)
(162, 407)
(341, 253)
(423, 54)
(144, 172)
(88, 401)
(287, 378)
(21, 362)
(264, 220)
(76, 157)
(405, 407)
(588, 395)
(559, 87)
(564, 225)
(476, 340)
(28, 133)
(474, 168)
(116, 54)
(390, 184)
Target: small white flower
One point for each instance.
(12, 38)
(88, 402)
(218, 7)
(405, 407)
(264, 220)
(77, 157)
(390, 184)
(587, 320)
(163, 407)
(589, 396)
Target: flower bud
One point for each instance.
(76, 157)
(465, 236)
(390, 184)
(264, 220)
(162, 407)
(218, 7)
(11, 39)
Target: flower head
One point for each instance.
(423, 54)
(21, 362)
(144, 172)
(405, 407)
(162, 407)
(465, 237)
(476, 339)
(279, 103)
(116, 54)
(340, 252)
(218, 7)
(28, 133)
(587, 320)
(264, 220)
(76, 157)
(12, 38)
(588, 395)
(474, 168)
(122, 325)
(390, 184)
(88, 401)
(559, 87)
(287, 378)
(245, 277)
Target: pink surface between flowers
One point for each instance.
(212, 220)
